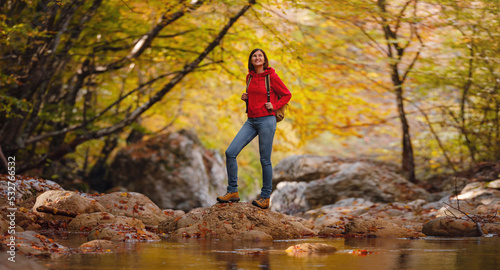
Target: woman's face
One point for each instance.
(258, 59)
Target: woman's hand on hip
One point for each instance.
(244, 96)
(269, 106)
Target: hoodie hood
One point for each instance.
(267, 71)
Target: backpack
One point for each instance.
(280, 113)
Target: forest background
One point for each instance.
(413, 82)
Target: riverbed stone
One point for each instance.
(450, 227)
(308, 249)
(305, 168)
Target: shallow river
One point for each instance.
(424, 253)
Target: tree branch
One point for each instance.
(70, 147)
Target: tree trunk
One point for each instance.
(408, 161)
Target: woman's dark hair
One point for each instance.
(250, 65)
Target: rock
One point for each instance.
(378, 228)
(230, 221)
(308, 249)
(174, 170)
(132, 204)
(450, 227)
(86, 222)
(4, 225)
(475, 199)
(66, 201)
(493, 228)
(401, 213)
(481, 196)
(330, 231)
(494, 184)
(29, 225)
(254, 235)
(118, 233)
(34, 244)
(338, 214)
(352, 180)
(473, 186)
(27, 189)
(9, 262)
(289, 198)
(304, 168)
(98, 246)
(447, 211)
(303, 230)
(361, 180)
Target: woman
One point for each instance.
(261, 121)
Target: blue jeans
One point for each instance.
(265, 127)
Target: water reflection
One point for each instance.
(428, 254)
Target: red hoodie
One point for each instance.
(257, 93)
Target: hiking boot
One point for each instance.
(262, 203)
(229, 197)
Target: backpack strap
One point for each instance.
(268, 88)
(248, 83)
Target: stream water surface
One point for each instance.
(424, 253)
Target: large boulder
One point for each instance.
(362, 180)
(233, 221)
(174, 170)
(304, 168)
(356, 179)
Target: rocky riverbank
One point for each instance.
(352, 199)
